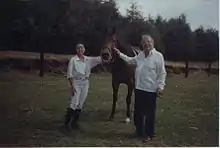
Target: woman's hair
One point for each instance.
(79, 45)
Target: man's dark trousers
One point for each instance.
(144, 112)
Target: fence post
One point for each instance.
(41, 64)
(209, 69)
(187, 69)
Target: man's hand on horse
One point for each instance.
(159, 92)
(117, 51)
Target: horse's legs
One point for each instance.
(115, 87)
(128, 102)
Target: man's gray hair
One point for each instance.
(147, 36)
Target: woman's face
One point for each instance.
(80, 49)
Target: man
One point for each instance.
(150, 77)
(78, 72)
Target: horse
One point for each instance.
(121, 72)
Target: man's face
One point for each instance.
(147, 43)
(80, 49)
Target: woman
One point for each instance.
(78, 72)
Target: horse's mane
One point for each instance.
(126, 47)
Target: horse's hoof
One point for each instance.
(127, 120)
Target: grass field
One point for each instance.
(32, 110)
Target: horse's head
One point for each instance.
(107, 52)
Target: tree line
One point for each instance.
(55, 26)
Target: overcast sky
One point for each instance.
(198, 12)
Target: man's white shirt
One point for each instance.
(150, 72)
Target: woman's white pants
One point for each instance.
(77, 100)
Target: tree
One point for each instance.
(161, 25)
(199, 53)
(46, 14)
(211, 45)
(11, 13)
(57, 25)
(178, 39)
(133, 13)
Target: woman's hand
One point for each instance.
(73, 90)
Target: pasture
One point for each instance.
(32, 110)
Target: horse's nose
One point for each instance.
(105, 56)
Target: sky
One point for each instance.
(198, 12)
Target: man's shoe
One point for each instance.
(154, 135)
(147, 139)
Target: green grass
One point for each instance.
(32, 110)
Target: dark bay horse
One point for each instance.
(122, 73)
